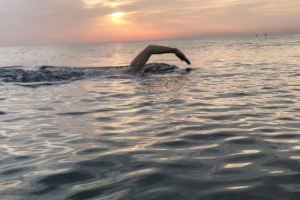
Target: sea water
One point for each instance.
(229, 129)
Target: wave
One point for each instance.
(55, 74)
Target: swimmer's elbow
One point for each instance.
(149, 48)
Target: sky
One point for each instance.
(25, 22)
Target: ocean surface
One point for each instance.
(73, 127)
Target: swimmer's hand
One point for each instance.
(181, 56)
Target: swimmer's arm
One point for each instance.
(141, 59)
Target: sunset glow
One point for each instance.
(68, 21)
(118, 18)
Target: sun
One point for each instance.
(118, 18)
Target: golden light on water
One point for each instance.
(295, 157)
(238, 187)
(277, 172)
(249, 151)
(296, 147)
(237, 165)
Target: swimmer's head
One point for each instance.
(188, 69)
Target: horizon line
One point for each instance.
(195, 37)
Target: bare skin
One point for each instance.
(141, 59)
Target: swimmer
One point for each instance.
(138, 66)
(141, 59)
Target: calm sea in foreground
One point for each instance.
(230, 129)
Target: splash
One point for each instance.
(61, 74)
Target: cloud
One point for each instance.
(38, 21)
(199, 16)
(61, 21)
(106, 3)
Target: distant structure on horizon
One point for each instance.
(265, 34)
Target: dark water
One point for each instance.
(230, 129)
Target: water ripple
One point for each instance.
(228, 130)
